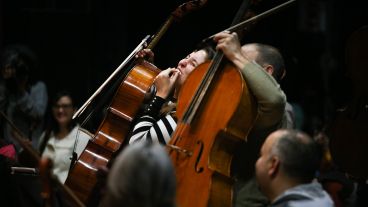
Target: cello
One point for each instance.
(44, 165)
(113, 131)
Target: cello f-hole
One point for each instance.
(196, 167)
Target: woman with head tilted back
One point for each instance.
(158, 120)
(62, 136)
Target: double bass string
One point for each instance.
(202, 89)
(197, 100)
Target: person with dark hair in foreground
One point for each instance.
(142, 176)
(286, 167)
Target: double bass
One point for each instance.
(215, 111)
(348, 131)
(112, 134)
(219, 117)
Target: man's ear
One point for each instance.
(269, 69)
(274, 166)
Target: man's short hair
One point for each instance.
(272, 56)
(299, 155)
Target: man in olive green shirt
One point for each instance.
(262, 67)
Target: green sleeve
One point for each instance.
(270, 98)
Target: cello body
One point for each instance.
(112, 132)
(202, 150)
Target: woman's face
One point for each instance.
(63, 110)
(187, 65)
(7, 72)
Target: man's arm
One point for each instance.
(270, 98)
(34, 105)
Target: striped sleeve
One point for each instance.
(148, 129)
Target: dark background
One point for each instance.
(80, 43)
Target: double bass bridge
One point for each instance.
(180, 150)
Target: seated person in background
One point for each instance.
(286, 167)
(142, 175)
(63, 136)
(23, 97)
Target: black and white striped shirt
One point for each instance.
(151, 127)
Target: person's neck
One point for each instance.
(63, 132)
(280, 185)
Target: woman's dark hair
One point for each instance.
(23, 60)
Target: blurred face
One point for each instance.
(264, 164)
(63, 110)
(8, 72)
(187, 65)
